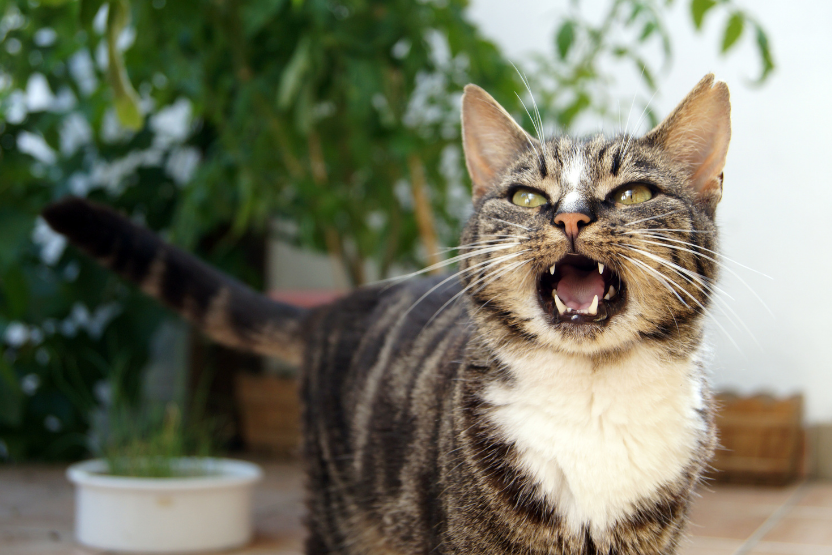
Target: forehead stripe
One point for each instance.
(616, 162)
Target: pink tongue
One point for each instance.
(577, 288)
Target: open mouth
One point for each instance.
(579, 290)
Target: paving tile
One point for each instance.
(777, 548)
(727, 519)
(817, 495)
(800, 528)
(765, 495)
(702, 545)
(36, 514)
(812, 512)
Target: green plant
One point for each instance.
(592, 51)
(152, 443)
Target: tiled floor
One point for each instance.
(36, 516)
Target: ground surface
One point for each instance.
(36, 512)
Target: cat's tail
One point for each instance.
(226, 310)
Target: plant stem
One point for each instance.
(424, 214)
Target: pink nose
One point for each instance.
(571, 223)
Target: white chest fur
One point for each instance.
(599, 440)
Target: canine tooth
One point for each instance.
(560, 305)
(611, 292)
(600, 268)
(552, 270)
(593, 308)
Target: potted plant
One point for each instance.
(145, 494)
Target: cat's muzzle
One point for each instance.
(579, 290)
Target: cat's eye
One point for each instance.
(528, 198)
(632, 194)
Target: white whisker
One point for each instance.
(496, 274)
(707, 250)
(707, 287)
(661, 229)
(529, 139)
(480, 244)
(658, 275)
(653, 217)
(462, 272)
(539, 124)
(721, 265)
(444, 263)
(638, 123)
(511, 223)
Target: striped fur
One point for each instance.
(225, 309)
(462, 416)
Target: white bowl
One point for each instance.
(164, 515)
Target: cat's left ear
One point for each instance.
(491, 138)
(696, 136)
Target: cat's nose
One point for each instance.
(571, 223)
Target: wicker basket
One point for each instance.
(269, 413)
(761, 437)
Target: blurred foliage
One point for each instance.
(594, 51)
(209, 118)
(151, 444)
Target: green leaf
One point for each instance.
(87, 11)
(638, 7)
(53, 2)
(733, 31)
(15, 292)
(292, 78)
(649, 28)
(646, 74)
(11, 397)
(128, 111)
(126, 99)
(565, 38)
(698, 9)
(765, 54)
(15, 229)
(581, 103)
(256, 15)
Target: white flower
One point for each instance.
(51, 244)
(30, 384)
(36, 147)
(16, 334)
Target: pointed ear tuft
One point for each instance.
(696, 136)
(490, 137)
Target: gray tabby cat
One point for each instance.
(559, 407)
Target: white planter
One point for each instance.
(164, 514)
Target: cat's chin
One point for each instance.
(579, 291)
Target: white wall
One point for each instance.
(778, 191)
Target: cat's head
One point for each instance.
(590, 245)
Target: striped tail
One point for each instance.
(226, 310)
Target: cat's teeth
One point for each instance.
(610, 293)
(600, 268)
(593, 308)
(552, 270)
(559, 303)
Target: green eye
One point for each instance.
(528, 198)
(633, 194)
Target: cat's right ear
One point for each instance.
(490, 137)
